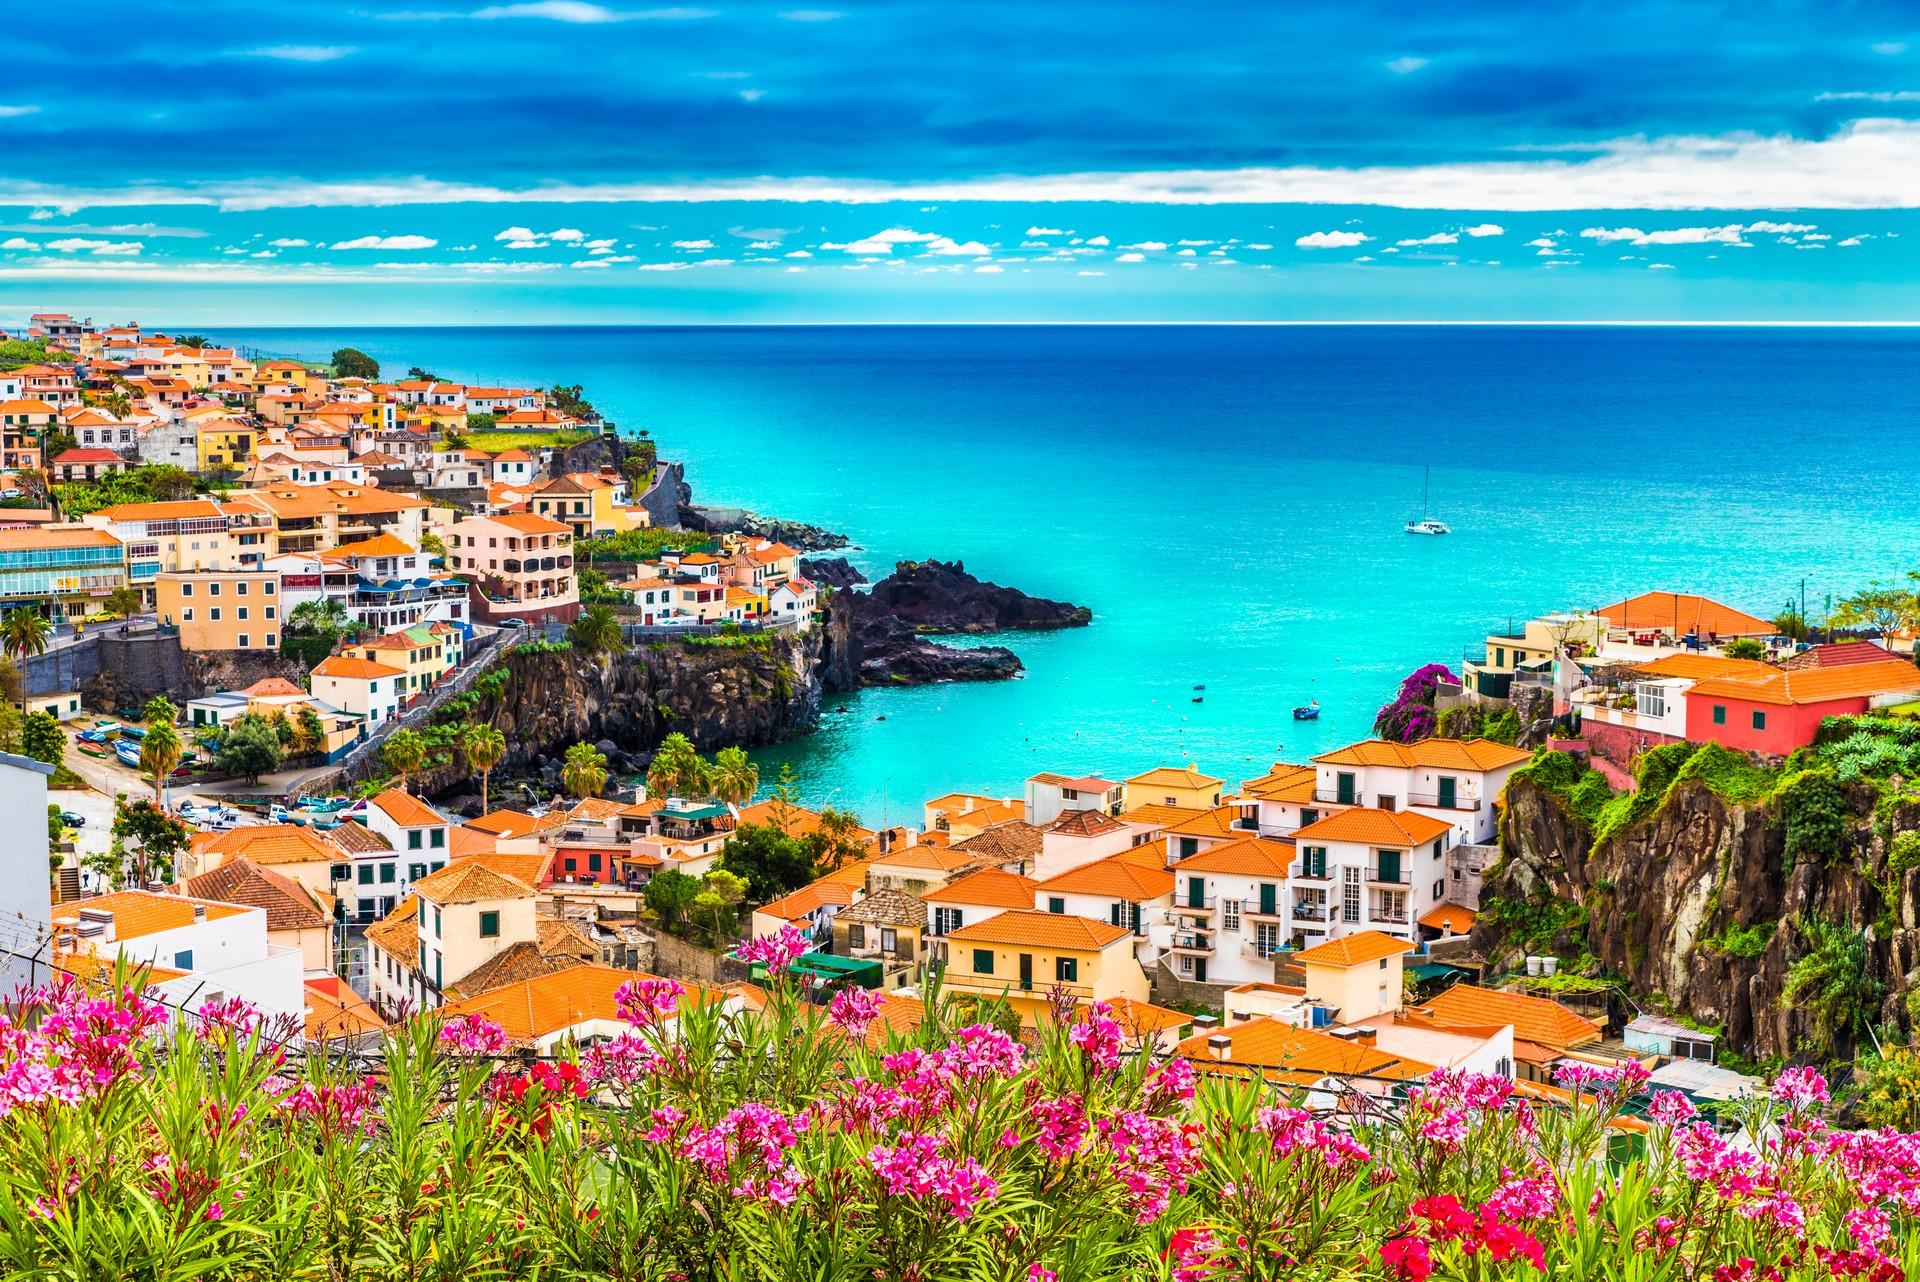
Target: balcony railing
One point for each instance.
(1384, 915)
(1385, 877)
(1259, 951)
(1192, 944)
(1267, 912)
(1188, 904)
(1433, 799)
(1300, 872)
(1309, 912)
(1332, 797)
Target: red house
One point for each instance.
(86, 465)
(1780, 710)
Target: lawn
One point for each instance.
(499, 440)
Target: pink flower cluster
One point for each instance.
(1062, 1126)
(473, 1036)
(81, 1047)
(853, 1009)
(624, 1062)
(646, 1002)
(1294, 1130)
(745, 1151)
(1153, 1158)
(1098, 1037)
(336, 1109)
(1445, 1219)
(914, 1166)
(777, 951)
(230, 1014)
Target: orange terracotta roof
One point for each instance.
(527, 523)
(1814, 685)
(1681, 613)
(469, 881)
(1157, 815)
(1216, 823)
(1003, 843)
(1369, 827)
(1283, 783)
(267, 844)
(549, 1004)
(1245, 857)
(809, 899)
(406, 809)
(1114, 878)
(1027, 928)
(1361, 948)
(1085, 823)
(1536, 1019)
(527, 869)
(398, 933)
(335, 1012)
(514, 455)
(34, 540)
(341, 665)
(142, 912)
(988, 888)
(289, 904)
(272, 688)
(1453, 917)
(929, 858)
(378, 545)
(1696, 667)
(1270, 1044)
(513, 823)
(1174, 777)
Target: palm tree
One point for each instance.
(584, 771)
(404, 753)
(596, 630)
(484, 746)
(24, 632)
(676, 769)
(159, 754)
(124, 601)
(734, 779)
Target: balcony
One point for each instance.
(1254, 911)
(1387, 916)
(1197, 945)
(1390, 877)
(1432, 799)
(1258, 951)
(1310, 912)
(1189, 904)
(1299, 872)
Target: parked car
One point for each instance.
(72, 820)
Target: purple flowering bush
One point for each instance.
(1411, 716)
(806, 1142)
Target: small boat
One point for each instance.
(1309, 713)
(1199, 698)
(93, 736)
(135, 733)
(325, 805)
(128, 751)
(1200, 687)
(1428, 523)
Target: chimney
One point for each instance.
(199, 912)
(101, 921)
(1367, 1036)
(1219, 1046)
(1206, 1023)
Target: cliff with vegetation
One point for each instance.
(1779, 907)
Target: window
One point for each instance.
(366, 875)
(983, 961)
(1055, 904)
(1230, 914)
(1759, 721)
(243, 640)
(1186, 965)
(387, 874)
(414, 841)
(1343, 788)
(889, 939)
(1066, 970)
(1349, 894)
(416, 871)
(186, 589)
(183, 960)
(240, 589)
(269, 640)
(439, 838)
(340, 872)
(421, 909)
(186, 615)
(1719, 714)
(241, 614)
(213, 589)
(213, 614)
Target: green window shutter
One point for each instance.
(490, 925)
(1446, 792)
(1759, 721)
(1719, 714)
(1066, 970)
(1389, 865)
(1343, 788)
(983, 961)
(1055, 904)
(1196, 892)
(1268, 897)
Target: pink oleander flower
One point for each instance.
(1098, 1037)
(914, 1166)
(1407, 1259)
(777, 951)
(213, 1211)
(1153, 1158)
(853, 1009)
(1037, 1272)
(1448, 1131)
(472, 1036)
(1670, 1108)
(646, 1002)
(1800, 1088)
(1062, 1124)
(625, 1061)
(1172, 1082)
(230, 1014)
(335, 1109)
(1867, 1226)
(1704, 1155)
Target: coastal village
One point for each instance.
(171, 505)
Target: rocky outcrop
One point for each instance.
(733, 520)
(1694, 906)
(883, 650)
(941, 597)
(833, 571)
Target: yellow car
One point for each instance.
(103, 616)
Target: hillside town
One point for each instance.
(1316, 921)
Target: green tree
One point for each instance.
(312, 731)
(484, 746)
(42, 739)
(768, 860)
(125, 600)
(118, 404)
(158, 839)
(159, 755)
(1745, 648)
(840, 837)
(785, 798)
(571, 400)
(1832, 982)
(195, 341)
(24, 633)
(1888, 1088)
(419, 375)
(583, 772)
(596, 630)
(351, 362)
(404, 753)
(250, 748)
(10, 721)
(1883, 607)
(57, 441)
(670, 894)
(594, 588)
(676, 769)
(734, 778)
(480, 422)
(1791, 624)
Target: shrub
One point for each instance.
(1816, 813)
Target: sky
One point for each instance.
(826, 161)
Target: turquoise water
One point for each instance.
(1229, 501)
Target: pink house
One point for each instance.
(1781, 709)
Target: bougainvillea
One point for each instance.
(1411, 715)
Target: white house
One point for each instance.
(793, 602)
(25, 919)
(416, 831)
(1132, 890)
(1233, 909)
(1080, 837)
(368, 690)
(1366, 868)
(1453, 780)
(514, 467)
(202, 950)
(1050, 795)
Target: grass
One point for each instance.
(499, 440)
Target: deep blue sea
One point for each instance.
(1229, 501)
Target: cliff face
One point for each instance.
(1696, 904)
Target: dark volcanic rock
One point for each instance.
(940, 596)
(733, 520)
(892, 653)
(833, 571)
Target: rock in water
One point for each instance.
(941, 597)
(834, 571)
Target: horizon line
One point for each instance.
(1089, 324)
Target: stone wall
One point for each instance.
(1465, 866)
(675, 958)
(129, 670)
(1168, 988)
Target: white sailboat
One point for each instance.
(1428, 523)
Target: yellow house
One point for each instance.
(317, 518)
(1024, 951)
(1173, 786)
(271, 373)
(220, 609)
(422, 656)
(588, 503)
(225, 444)
(1357, 976)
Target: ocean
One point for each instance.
(1229, 501)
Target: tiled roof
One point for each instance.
(398, 933)
(1536, 1019)
(1358, 949)
(808, 899)
(1836, 655)
(289, 904)
(356, 838)
(529, 869)
(1444, 754)
(927, 858)
(1681, 613)
(33, 540)
(1283, 783)
(267, 844)
(514, 823)
(1115, 878)
(1216, 823)
(527, 523)
(177, 510)
(551, 1003)
(406, 809)
(272, 688)
(1003, 843)
(335, 1012)
(1157, 815)
(1174, 777)
(378, 545)
(1696, 667)
(1270, 1044)
(887, 908)
(558, 946)
(142, 912)
(1246, 857)
(340, 665)
(1815, 685)
(1369, 827)
(1453, 917)
(1085, 823)
(1033, 929)
(469, 881)
(988, 888)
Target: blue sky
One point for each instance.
(457, 161)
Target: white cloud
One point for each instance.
(693, 244)
(881, 244)
(1730, 234)
(1100, 241)
(527, 238)
(1659, 267)
(1046, 231)
(302, 53)
(99, 248)
(590, 262)
(1151, 246)
(662, 267)
(1406, 66)
(1781, 229)
(1332, 240)
(607, 243)
(574, 11)
(1364, 258)
(1254, 245)
(1090, 273)
(1871, 95)
(813, 15)
(1890, 48)
(8, 112)
(18, 242)
(1131, 258)
(1196, 243)
(1851, 241)
(1186, 253)
(387, 242)
(568, 235)
(1486, 229)
(752, 95)
(517, 233)
(989, 267)
(800, 253)
(289, 242)
(1542, 242)
(1438, 238)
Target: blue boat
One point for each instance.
(128, 751)
(136, 733)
